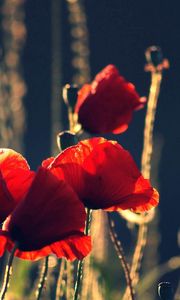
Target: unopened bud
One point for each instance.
(66, 139)
(165, 291)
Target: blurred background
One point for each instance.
(44, 47)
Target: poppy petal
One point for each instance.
(106, 105)
(3, 242)
(75, 247)
(51, 212)
(47, 162)
(15, 180)
(105, 176)
(10, 159)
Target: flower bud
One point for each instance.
(155, 60)
(154, 56)
(165, 291)
(66, 139)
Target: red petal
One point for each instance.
(82, 94)
(68, 165)
(71, 248)
(47, 162)
(105, 176)
(10, 159)
(50, 212)
(15, 180)
(145, 200)
(108, 103)
(3, 242)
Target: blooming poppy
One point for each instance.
(106, 105)
(49, 219)
(15, 180)
(105, 176)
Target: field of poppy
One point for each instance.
(82, 223)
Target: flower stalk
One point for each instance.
(120, 252)
(43, 278)
(8, 273)
(60, 279)
(146, 169)
(155, 65)
(80, 263)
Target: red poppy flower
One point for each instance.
(45, 214)
(15, 180)
(105, 176)
(50, 219)
(106, 105)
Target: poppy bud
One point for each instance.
(165, 291)
(66, 139)
(154, 55)
(155, 60)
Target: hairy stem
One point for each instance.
(80, 263)
(145, 169)
(70, 280)
(137, 219)
(43, 278)
(8, 273)
(60, 278)
(119, 249)
(149, 124)
(78, 279)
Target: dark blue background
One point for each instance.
(120, 31)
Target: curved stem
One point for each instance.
(137, 219)
(8, 273)
(146, 169)
(119, 249)
(80, 263)
(149, 124)
(42, 278)
(138, 253)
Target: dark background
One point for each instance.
(120, 31)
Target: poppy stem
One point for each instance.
(78, 279)
(80, 262)
(70, 280)
(8, 273)
(43, 278)
(60, 278)
(156, 78)
(88, 221)
(120, 252)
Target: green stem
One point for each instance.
(120, 252)
(80, 262)
(60, 278)
(78, 279)
(8, 273)
(42, 278)
(88, 221)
